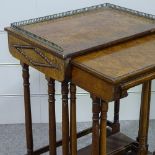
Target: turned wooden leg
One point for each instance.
(52, 120)
(28, 117)
(73, 130)
(65, 119)
(104, 110)
(144, 119)
(116, 124)
(96, 126)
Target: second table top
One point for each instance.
(120, 62)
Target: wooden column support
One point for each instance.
(103, 132)
(65, 118)
(144, 118)
(73, 126)
(116, 123)
(52, 119)
(96, 108)
(27, 103)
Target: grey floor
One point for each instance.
(12, 137)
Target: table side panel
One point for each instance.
(104, 89)
(39, 59)
(93, 84)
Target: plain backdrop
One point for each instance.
(11, 94)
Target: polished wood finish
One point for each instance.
(73, 126)
(116, 68)
(17, 38)
(94, 26)
(27, 103)
(65, 118)
(52, 119)
(144, 119)
(57, 74)
(106, 73)
(86, 81)
(119, 63)
(103, 132)
(95, 68)
(96, 108)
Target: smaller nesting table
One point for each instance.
(107, 75)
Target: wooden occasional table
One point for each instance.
(50, 43)
(108, 74)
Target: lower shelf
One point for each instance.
(117, 144)
(134, 153)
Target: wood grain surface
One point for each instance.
(78, 33)
(120, 62)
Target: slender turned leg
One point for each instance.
(73, 134)
(28, 117)
(116, 124)
(65, 119)
(52, 120)
(95, 131)
(144, 119)
(104, 109)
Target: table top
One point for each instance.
(120, 44)
(120, 62)
(85, 30)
